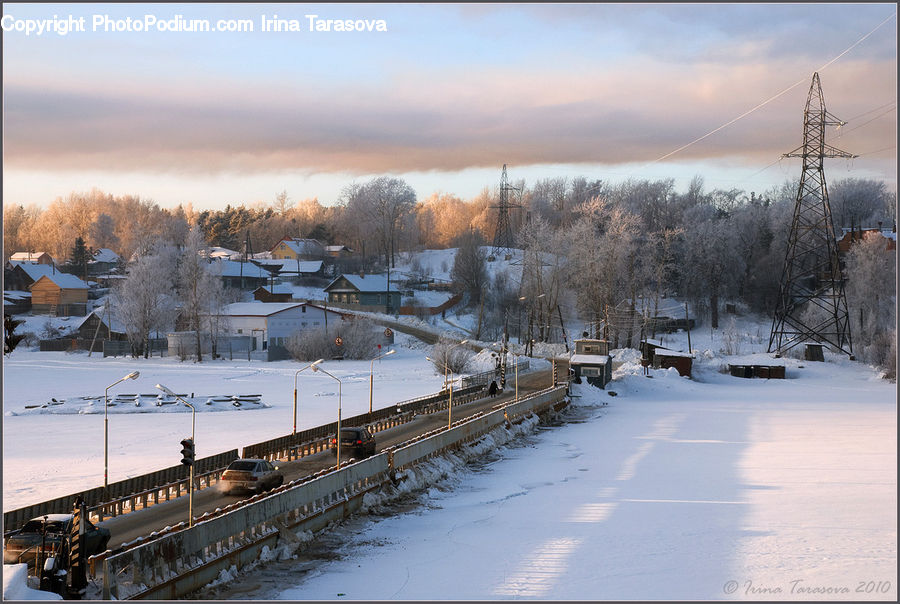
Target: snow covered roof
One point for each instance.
(230, 268)
(281, 288)
(35, 271)
(290, 266)
(65, 281)
(108, 319)
(258, 309)
(589, 359)
(27, 256)
(665, 352)
(366, 283)
(105, 255)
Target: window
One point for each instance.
(590, 371)
(303, 308)
(240, 331)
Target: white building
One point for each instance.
(270, 324)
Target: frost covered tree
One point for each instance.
(872, 301)
(145, 300)
(196, 285)
(381, 205)
(469, 272)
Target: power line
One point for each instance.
(769, 100)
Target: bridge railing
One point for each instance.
(105, 501)
(182, 561)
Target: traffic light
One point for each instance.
(187, 451)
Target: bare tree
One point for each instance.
(381, 204)
(469, 272)
(194, 284)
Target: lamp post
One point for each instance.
(193, 426)
(294, 433)
(131, 376)
(338, 439)
(372, 374)
(450, 402)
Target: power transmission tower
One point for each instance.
(811, 302)
(503, 237)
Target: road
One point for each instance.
(141, 523)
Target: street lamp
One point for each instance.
(450, 402)
(131, 376)
(338, 439)
(193, 425)
(372, 373)
(294, 433)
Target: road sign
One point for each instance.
(339, 341)
(387, 332)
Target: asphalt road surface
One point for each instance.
(141, 523)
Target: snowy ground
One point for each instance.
(710, 488)
(676, 489)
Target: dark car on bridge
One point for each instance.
(47, 536)
(251, 475)
(357, 442)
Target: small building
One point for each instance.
(105, 260)
(338, 251)
(32, 257)
(274, 293)
(271, 324)
(103, 325)
(292, 248)
(292, 269)
(592, 361)
(359, 291)
(59, 294)
(850, 236)
(681, 361)
(21, 276)
(234, 274)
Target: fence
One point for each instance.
(313, 440)
(107, 501)
(183, 561)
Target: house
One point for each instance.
(269, 325)
(59, 294)
(32, 257)
(338, 251)
(850, 236)
(292, 248)
(294, 268)
(104, 261)
(101, 324)
(274, 293)
(592, 361)
(233, 274)
(654, 352)
(21, 276)
(364, 292)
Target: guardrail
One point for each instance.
(183, 561)
(486, 377)
(314, 440)
(108, 501)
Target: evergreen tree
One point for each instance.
(79, 258)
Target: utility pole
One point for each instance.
(811, 303)
(503, 236)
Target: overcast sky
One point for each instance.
(443, 98)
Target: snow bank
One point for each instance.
(15, 585)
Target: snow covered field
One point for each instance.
(720, 488)
(711, 488)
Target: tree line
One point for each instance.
(589, 246)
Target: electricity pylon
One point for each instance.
(811, 303)
(503, 237)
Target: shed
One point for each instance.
(59, 294)
(32, 257)
(665, 359)
(273, 293)
(592, 361)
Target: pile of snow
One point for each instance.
(15, 585)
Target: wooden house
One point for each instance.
(59, 294)
(592, 361)
(20, 276)
(292, 248)
(273, 293)
(32, 257)
(359, 291)
(102, 325)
